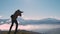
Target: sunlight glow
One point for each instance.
(30, 27)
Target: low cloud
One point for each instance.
(1, 16)
(29, 27)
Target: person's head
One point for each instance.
(18, 12)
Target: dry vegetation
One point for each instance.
(19, 32)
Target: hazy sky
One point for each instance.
(33, 9)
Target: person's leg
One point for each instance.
(11, 27)
(16, 26)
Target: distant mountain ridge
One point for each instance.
(24, 22)
(2, 21)
(43, 21)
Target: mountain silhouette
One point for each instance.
(24, 22)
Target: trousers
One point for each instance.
(13, 21)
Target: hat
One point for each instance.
(19, 11)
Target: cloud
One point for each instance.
(29, 27)
(1, 16)
(33, 17)
(39, 17)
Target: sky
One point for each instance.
(33, 9)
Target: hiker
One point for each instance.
(14, 20)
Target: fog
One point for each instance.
(30, 27)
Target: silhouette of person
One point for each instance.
(14, 20)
